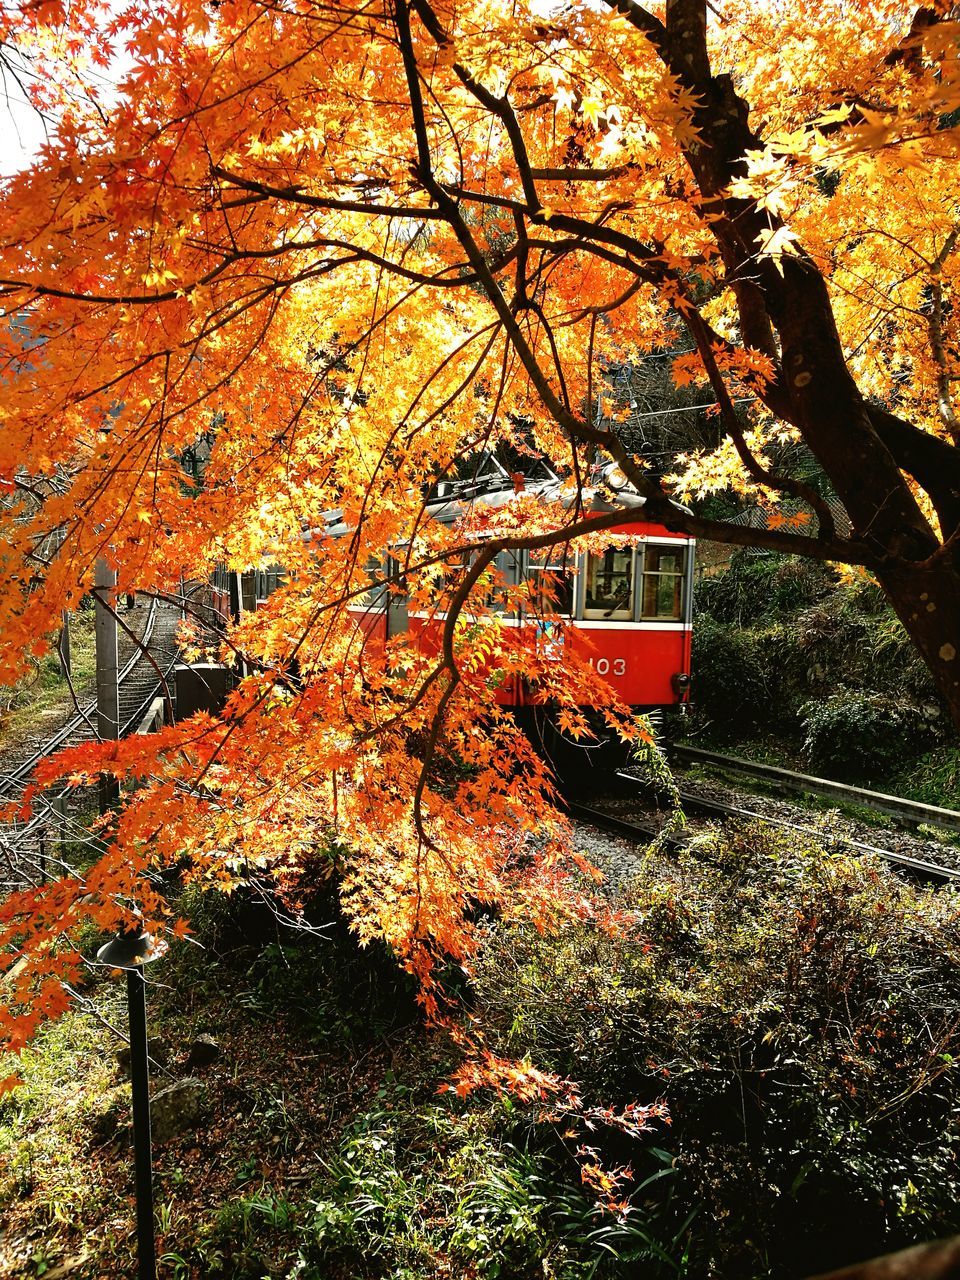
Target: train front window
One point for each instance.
(664, 570)
(551, 582)
(608, 592)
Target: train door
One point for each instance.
(397, 617)
(551, 576)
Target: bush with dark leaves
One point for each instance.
(858, 735)
(797, 1010)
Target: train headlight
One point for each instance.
(614, 477)
(681, 681)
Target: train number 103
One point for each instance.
(608, 666)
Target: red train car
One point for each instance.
(629, 608)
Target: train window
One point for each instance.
(664, 569)
(501, 573)
(248, 590)
(608, 591)
(444, 578)
(552, 582)
(274, 577)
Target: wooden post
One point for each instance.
(108, 691)
(63, 645)
(140, 1088)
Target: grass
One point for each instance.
(934, 779)
(46, 1132)
(38, 703)
(327, 1154)
(760, 746)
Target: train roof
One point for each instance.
(494, 487)
(609, 491)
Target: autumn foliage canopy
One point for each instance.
(340, 246)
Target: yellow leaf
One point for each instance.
(592, 109)
(775, 243)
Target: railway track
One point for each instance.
(26, 845)
(907, 813)
(80, 726)
(631, 828)
(644, 831)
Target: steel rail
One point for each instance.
(620, 826)
(928, 871)
(932, 871)
(133, 720)
(918, 867)
(909, 813)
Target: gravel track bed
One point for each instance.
(617, 857)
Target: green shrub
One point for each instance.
(850, 637)
(862, 735)
(779, 645)
(795, 1010)
(839, 632)
(730, 680)
(748, 678)
(315, 974)
(761, 585)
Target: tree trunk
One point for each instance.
(785, 310)
(937, 1261)
(926, 597)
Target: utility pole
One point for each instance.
(133, 949)
(108, 690)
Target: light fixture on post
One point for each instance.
(131, 951)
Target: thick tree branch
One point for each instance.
(932, 462)
(295, 195)
(937, 1261)
(760, 474)
(824, 402)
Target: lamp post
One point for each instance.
(131, 951)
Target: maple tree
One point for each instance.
(348, 243)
